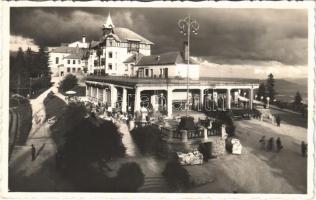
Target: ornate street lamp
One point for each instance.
(186, 26)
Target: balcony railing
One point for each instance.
(176, 81)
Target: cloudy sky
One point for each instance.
(248, 42)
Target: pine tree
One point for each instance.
(42, 62)
(261, 91)
(270, 87)
(29, 61)
(297, 98)
(20, 68)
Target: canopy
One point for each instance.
(243, 98)
(257, 102)
(70, 92)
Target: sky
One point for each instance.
(238, 42)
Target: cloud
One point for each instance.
(252, 69)
(18, 41)
(230, 34)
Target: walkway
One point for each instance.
(39, 175)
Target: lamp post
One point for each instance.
(187, 25)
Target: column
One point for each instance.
(124, 100)
(104, 95)
(169, 102)
(251, 98)
(201, 99)
(228, 99)
(137, 100)
(87, 91)
(113, 96)
(97, 95)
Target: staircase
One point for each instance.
(154, 185)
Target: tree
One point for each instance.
(29, 60)
(129, 177)
(297, 98)
(69, 82)
(261, 91)
(270, 87)
(42, 62)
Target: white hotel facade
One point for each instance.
(124, 75)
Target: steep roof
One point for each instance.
(134, 58)
(125, 34)
(169, 58)
(64, 49)
(74, 52)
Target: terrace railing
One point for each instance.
(177, 81)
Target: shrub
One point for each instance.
(129, 177)
(176, 176)
(69, 82)
(74, 113)
(147, 138)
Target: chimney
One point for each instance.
(83, 39)
(185, 51)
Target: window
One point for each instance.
(102, 61)
(110, 66)
(146, 72)
(74, 62)
(126, 67)
(110, 54)
(73, 70)
(57, 60)
(79, 69)
(68, 61)
(68, 69)
(79, 61)
(96, 63)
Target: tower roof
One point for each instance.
(108, 24)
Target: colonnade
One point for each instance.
(108, 93)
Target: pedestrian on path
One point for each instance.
(278, 120)
(304, 149)
(270, 146)
(33, 151)
(279, 144)
(262, 141)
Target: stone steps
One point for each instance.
(154, 184)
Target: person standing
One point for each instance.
(279, 144)
(270, 146)
(278, 120)
(304, 149)
(33, 152)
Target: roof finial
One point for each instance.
(108, 24)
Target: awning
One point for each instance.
(257, 102)
(243, 98)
